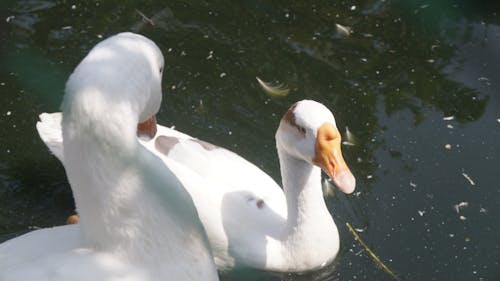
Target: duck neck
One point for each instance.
(309, 227)
(129, 203)
(302, 187)
(96, 154)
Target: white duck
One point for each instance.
(249, 219)
(137, 222)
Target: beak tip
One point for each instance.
(345, 182)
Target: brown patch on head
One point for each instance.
(289, 118)
(165, 143)
(205, 145)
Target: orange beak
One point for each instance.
(147, 129)
(328, 156)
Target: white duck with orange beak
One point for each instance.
(250, 220)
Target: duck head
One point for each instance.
(308, 131)
(130, 58)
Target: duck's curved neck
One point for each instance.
(99, 147)
(129, 203)
(302, 187)
(309, 225)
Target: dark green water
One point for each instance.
(407, 69)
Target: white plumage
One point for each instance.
(250, 220)
(137, 222)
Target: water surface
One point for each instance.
(415, 82)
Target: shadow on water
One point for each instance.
(405, 66)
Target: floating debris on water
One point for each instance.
(200, 108)
(498, 120)
(485, 79)
(462, 218)
(360, 230)
(447, 146)
(222, 75)
(350, 138)
(279, 90)
(460, 206)
(448, 118)
(9, 18)
(375, 258)
(483, 210)
(210, 55)
(359, 252)
(144, 18)
(421, 213)
(468, 179)
(343, 30)
(328, 188)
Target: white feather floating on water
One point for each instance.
(460, 205)
(468, 179)
(328, 188)
(350, 138)
(344, 30)
(273, 90)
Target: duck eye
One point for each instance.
(301, 130)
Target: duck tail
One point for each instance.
(49, 129)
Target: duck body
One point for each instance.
(136, 220)
(249, 219)
(244, 210)
(57, 254)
